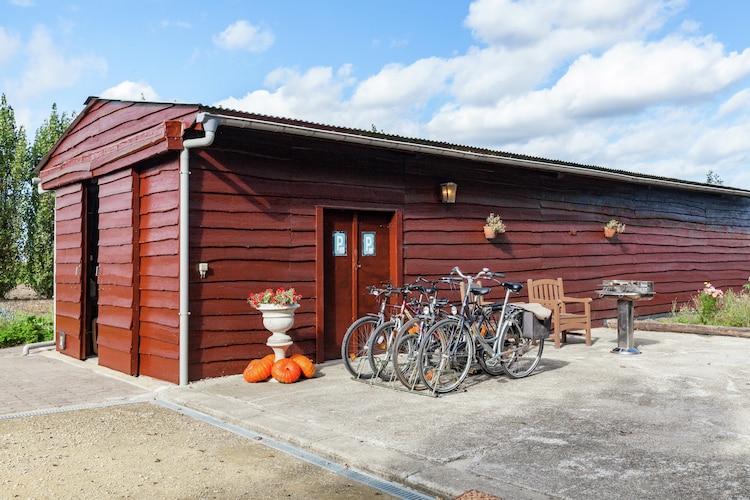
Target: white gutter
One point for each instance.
(48, 343)
(540, 164)
(210, 124)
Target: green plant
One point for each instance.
(616, 225)
(24, 329)
(714, 307)
(708, 303)
(495, 222)
(280, 297)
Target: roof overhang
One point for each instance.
(561, 168)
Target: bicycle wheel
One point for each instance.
(486, 346)
(354, 346)
(445, 355)
(490, 364)
(520, 355)
(379, 351)
(405, 353)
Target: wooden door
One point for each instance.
(357, 248)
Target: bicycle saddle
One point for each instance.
(513, 287)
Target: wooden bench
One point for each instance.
(550, 294)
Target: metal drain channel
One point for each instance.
(393, 489)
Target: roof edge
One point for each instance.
(440, 149)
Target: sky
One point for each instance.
(659, 87)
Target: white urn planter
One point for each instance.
(278, 320)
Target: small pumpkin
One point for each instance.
(259, 370)
(286, 371)
(307, 366)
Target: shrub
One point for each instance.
(714, 307)
(24, 329)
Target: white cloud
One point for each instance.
(634, 75)
(738, 103)
(399, 86)
(244, 36)
(9, 45)
(315, 95)
(515, 24)
(47, 68)
(167, 23)
(577, 80)
(131, 91)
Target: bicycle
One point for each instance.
(381, 344)
(510, 351)
(447, 350)
(409, 336)
(354, 345)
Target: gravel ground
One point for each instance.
(146, 451)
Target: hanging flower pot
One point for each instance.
(493, 226)
(612, 227)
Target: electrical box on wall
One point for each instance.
(61, 340)
(203, 269)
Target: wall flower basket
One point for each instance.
(494, 226)
(613, 227)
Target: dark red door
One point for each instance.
(357, 254)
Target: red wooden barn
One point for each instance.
(147, 191)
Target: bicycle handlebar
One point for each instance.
(483, 273)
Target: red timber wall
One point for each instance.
(69, 206)
(253, 219)
(159, 271)
(113, 144)
(117, 280)
(253, 202)
(678, 239)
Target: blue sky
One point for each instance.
(653, 86)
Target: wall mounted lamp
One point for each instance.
(448, 192)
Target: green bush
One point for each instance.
(714, 307)
(24, 329)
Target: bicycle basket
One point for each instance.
(533, 328)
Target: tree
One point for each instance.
(39, 250)
(13, 162)
(713, 178)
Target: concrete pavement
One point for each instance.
(672, 422)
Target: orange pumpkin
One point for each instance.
(259, 370)
(286, 371)
(307, 366)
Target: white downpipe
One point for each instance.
(209, 127)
